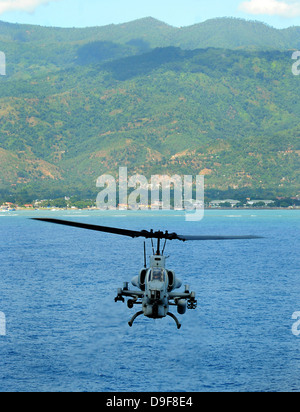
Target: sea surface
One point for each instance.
(64, 332)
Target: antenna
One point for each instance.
(158, 247)
(163, 251)
(152, 246)
(145, 257)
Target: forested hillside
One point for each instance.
(77, 103)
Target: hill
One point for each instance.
(229, 33)
(232, 115)
(34, 49)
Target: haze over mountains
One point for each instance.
(228, 33)
(217, 98)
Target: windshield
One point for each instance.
(158, 274)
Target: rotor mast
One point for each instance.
(159, 236)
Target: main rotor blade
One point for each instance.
(116, 231)
(143, 233)
(191, 237)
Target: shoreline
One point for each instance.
(53, 210)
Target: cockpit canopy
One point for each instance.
(157, 274)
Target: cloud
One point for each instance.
(282, 8)
(21, 5)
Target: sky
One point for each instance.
(179, 13)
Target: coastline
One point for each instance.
(21, 209)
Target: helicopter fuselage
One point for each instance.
(156, 284)
(156, 294)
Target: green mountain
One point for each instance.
(230, 33)
(78, 103)
(34, 49)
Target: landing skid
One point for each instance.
(130, 323)
(176, 320)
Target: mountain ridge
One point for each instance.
(74, 110)
(148, 19)
(160, 34)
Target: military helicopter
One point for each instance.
(156, 283)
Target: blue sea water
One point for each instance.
(64, 332)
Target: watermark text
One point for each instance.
(2, 324)
(162, 192)
(296, 325)
(296, 65)
(2, 64)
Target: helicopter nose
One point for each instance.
(155, 294)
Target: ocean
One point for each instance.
(64, 332)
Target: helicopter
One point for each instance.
(157, 285)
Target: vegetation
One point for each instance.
(78, 103)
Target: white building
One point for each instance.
(218, 203)
(253, 202)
